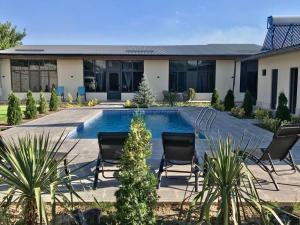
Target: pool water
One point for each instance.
(119, 120)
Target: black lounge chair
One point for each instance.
(110, 149)
(179, 149)
(279, 149)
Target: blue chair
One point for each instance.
(81, 92)
(60, 91)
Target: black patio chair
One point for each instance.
(179, 149)
(279, 149)
(110, 149)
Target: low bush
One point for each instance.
(219, 106)
(14, 112)
(260, 114)
(92, 102)
(248, 104)
(129, 104)
(170, 97)
(272, 124)
(191, 94)
(31, 109)
(295, 119)
(282, 111)
(229, 100)
(215, 98)
(78, 100)
(54, 102)
(43, 106)
(69, 98)
(136, 197)
(238, 112)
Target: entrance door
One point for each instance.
(114, 91)
(274, 88)
(293, 89)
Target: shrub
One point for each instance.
(31, 109)
(53, 104)
(14, 112)
(43, 106)
(248, 104)
(282, 111)
(260, 114)
(170, 97)
(144, 96)
(227, 185)
(219, 107)
(215, 98)
(272, 124)
(78, 100)
(229, 100)
(238, 112)
(137, 197)
(295, 120)
(70, 98)
(129, 104)
(92, 102)
(191, 94)
(29, 167)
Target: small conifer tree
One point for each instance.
(70, 98)
(229, 100)
(14, 112)
(137, 197)
(43, 106)
(78, 100)
(248, 104)
(53, 104)
(31, 109)
(282, 111)
(144, 96)
(191, 94)
(215, 98)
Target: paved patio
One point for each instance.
(172, 190)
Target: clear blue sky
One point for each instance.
(144, 22)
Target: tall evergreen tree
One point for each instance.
(137, 197)
(215, 98)
(282, 111)
(53, 104)
(43, 106)
(31, 109)
(144, 96)
(248, 104)
(229, 100)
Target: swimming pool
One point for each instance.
(157, 121)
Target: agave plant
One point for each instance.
(229, 187)
(29, 166)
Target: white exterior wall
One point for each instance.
(5, 76)
(157, 74)
(224, 76)
(70, 75)
(238, 95)
(283, 63)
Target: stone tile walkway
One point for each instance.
(172, 190)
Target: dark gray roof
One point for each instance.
(167, 50)
(274, 52)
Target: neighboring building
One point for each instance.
(114, 72)
(278, 64)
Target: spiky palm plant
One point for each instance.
(29, 166)
(229, 186)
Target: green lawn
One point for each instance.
(3, 111)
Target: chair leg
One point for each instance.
(160, 171)
(96, 173)
(293, 164)
(269, 172)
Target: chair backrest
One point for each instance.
(111, 144)
(283, 141)
(81, 90)
(178, 146)
(60, 90)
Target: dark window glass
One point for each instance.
(132, 73)
(34, 75)
(137, 78)
(264, 72)
(94, 75)
(248, 81)
(126, 81)
(199, 75)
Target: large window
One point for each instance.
(249, 71)
(34, 75)
(197, 74)
(132, 73)
(94, 75)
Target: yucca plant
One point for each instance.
(29, 166)
(229, 186)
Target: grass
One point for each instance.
(3, 112)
